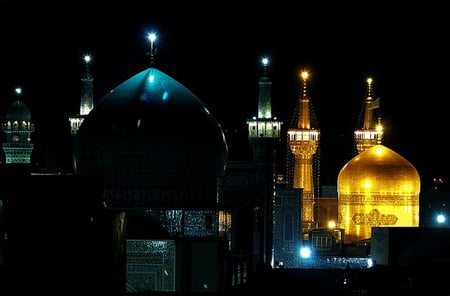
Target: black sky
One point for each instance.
(214, 49)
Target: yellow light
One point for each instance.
(331, 224)
(304, 75)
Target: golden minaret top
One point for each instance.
(369, 131)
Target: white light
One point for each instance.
(152, 37)
(440, 218)
(305, 252)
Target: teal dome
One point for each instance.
(18, 111)
(155, 142)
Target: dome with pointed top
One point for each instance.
(155, 142)
(375, 188)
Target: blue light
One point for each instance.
(165, 96)
(305, 252)
(370, 263)
(440, 218)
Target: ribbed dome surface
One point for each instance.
(154, 136)
(18, 111)
(387, 171)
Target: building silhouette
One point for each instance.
(153, 203)
(264, 136)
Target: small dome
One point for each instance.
(156, 143)
(18, 111)
(387, 170)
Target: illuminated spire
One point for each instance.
(304, 119)
(265, 63)
(86, 97)
(265, 101)
(369, 131)
(87, 59)
(152, 38)
(87, 103)
(18, 92)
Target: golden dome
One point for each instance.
(380, 169)
(378, 187)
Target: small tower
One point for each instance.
(264, 136)
(369, 131)
(18, 128)
(87, 101)
(303, 142)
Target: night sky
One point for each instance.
(214, 49)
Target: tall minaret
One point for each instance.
(303, 143)
(369, 131)
(18, 128)
(87, 95)
(264, 136)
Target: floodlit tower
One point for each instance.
(303, 143)
(87, 101)
(264, 135)
(18, 128)
(369, 131)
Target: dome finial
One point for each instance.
(18, 92)
(87, 59)
(304, 75)
(265, 62)
(152, 38)
(369, 87)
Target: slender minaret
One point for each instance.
(369, 131)
(18, 128)
(87, 98)
(264, 136)
(303, 143)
